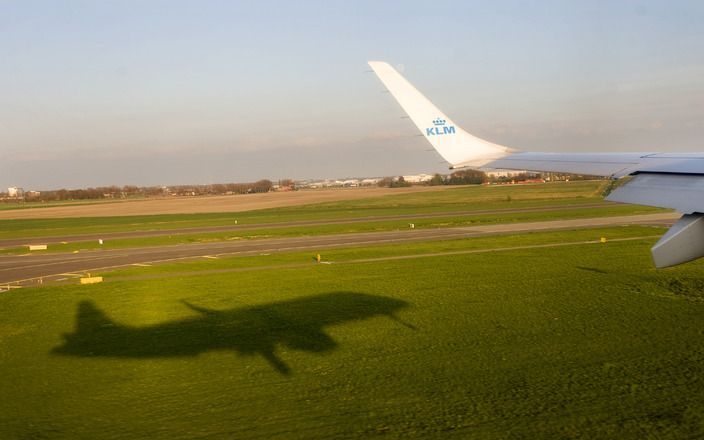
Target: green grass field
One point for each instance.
(569, 340)
(369, 226)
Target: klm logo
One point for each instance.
(439, 128)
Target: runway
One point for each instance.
(31, 269)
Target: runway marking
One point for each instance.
(141, 264)
(357, 243)
(279, 245)
(212, 257)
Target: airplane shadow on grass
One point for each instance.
(297, 324)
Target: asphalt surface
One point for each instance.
(32, 269)
(14, 242)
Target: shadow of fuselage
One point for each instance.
(297, 324)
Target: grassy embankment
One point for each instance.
(571, 341)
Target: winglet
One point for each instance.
(455, 145)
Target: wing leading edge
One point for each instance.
(665, 180)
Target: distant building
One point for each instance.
(418, 178)
(504, 173)
(15, 192)
(369, 181)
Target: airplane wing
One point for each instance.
(666, 180)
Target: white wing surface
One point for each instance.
(665, 180)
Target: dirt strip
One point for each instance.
(204, 204)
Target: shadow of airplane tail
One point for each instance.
(89, 318)
(255, 330)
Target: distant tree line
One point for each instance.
(467, 177)
(131, 191)
(474, 177)
(462, 177)
(260, 186)
(393, 182)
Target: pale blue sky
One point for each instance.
(169, 92)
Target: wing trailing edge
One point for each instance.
(681, 192)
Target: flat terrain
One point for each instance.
(189, 205)
(448, 207)
(30, 269)
(282, 224)
(501, 315)
(571, 341)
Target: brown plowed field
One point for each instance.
(190, 205)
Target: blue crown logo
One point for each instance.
(439, 128)
(438, 121)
